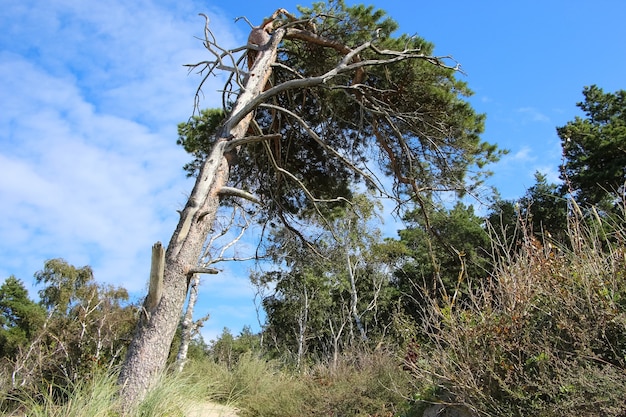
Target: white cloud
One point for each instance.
(91, 96)
(524, 154)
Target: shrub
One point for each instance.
(544, 336)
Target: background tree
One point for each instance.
(64, 286)
(332, 299)
(541, 214)
(227, 349)
(545, 206)
(20, 317)
(462, 249)
(88, 326)
(594, 148)
(323, 96)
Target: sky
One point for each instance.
(91, 94)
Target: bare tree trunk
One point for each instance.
(150, 346)
(354, 297)
(302, 326)
(189, 328)
(336, 335)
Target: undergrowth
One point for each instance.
(544, 336)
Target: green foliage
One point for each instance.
(410, 115)
(20, 317)
(65, 285)
(87, 328)
(541, 214)
(227, 349)
(197, 136)
(332, 298)
(442, 255)
(594, 147)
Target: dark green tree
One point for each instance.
(20, 317)
(594, 148)
(442, 256)
(195, 136)
(541, 214)
(227, 348)
(544, 207)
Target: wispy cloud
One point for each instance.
(524, 154)
(534, 115)
(91, 95)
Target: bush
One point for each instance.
(545, 336)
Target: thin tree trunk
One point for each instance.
(149, 349)
(302, 326)
(354, 298)
(188, 327)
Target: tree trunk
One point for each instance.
(303, 320)
(354, 297)
(188, 327)
(149, 349)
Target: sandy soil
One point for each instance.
(208, 409)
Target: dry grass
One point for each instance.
(544, 336)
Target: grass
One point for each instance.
(361, 385)
(172, 396)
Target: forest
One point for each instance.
(482, 307)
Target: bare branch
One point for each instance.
(209, 67)
(341, 68)
(328, 148)
(234, 143)
(201, 270)
(303, 187)
(211, 254)
(236, 192)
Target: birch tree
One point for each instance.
(313, 104)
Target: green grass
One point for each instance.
(172, 396)
(361, 385)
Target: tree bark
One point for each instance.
(149, 349)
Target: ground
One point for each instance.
(208, 409)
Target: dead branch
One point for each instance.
(236, 192)
(328, 148)
(234, 143)
(202, 270)
(346, 65)
(212, 254)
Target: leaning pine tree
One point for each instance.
(314, 104)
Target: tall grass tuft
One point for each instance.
(93, 398)
(174, 395)
(257, 387)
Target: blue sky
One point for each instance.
(91, 93)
